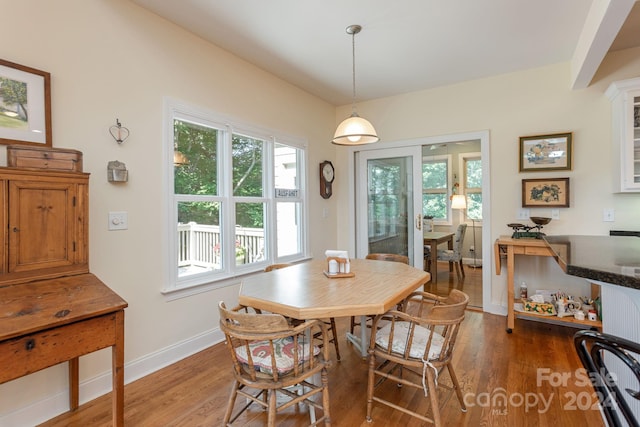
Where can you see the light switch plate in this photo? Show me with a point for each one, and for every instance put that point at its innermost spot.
(555, 213)
(118, 221)
(523, 213)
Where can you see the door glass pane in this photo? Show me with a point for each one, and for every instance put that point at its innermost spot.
(387, 205)
(249, 233)
(198, 237)
(435, 189)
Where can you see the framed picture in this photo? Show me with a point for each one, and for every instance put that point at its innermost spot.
(545, 152)
(25, 105)
(545, 192)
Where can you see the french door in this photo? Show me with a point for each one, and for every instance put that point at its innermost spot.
(389, 202)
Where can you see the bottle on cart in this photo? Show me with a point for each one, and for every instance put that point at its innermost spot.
(524, 293)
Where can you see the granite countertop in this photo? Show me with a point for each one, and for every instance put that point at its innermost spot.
(610, 259)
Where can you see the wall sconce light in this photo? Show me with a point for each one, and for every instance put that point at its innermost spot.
(119, 132)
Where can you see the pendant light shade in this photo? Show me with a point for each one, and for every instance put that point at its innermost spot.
(354, 130)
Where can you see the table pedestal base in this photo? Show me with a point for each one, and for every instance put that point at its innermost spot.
(358, 341)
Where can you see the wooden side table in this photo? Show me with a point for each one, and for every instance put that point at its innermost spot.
(47, 322)
(511, 247)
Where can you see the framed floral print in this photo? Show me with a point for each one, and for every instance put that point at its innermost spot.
(545, 152)
(25, 105)
(545, 192)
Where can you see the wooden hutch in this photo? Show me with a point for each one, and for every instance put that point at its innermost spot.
(53, 309)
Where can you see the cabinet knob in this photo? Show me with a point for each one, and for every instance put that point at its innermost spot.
(16, 229)
(30, 344)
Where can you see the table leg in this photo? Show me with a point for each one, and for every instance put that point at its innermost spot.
(434, 262)
(74, 383)
(510, 291)
(117, 360)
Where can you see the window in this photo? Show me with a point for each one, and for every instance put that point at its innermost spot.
(473, 184)
(435, 187)
(236, 201)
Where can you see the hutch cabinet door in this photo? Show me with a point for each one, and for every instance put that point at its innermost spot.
(41, 225)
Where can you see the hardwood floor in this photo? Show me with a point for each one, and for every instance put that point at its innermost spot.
(471, 284)
(507, 379)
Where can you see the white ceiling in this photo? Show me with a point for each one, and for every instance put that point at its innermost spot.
(407, 45)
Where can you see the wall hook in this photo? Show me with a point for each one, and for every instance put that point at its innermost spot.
(119, 132)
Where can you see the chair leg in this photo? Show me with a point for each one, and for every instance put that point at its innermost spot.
(324, 378)
(334, 333)
(456, 386)
(353, 324)
(433, 396)
(271, 415)
(370, 386)
(231, 403)
(462, 268)
(458, 275)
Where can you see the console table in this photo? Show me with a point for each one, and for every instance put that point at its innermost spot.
(510, 247)
(47, 322)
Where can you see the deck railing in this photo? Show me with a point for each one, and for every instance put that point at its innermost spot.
(199, 245)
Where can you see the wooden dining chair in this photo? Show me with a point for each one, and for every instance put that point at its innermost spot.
(379, 257)
(271, 358)
(331, 322)
(413, 348)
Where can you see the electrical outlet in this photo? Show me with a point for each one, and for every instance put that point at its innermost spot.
(118, 221)
(608, 215)
(555, 213)
(472, 248)
(523, 213)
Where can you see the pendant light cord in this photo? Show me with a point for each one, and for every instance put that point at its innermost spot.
(353, 57)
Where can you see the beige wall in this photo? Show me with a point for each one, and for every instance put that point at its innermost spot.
(111, 59)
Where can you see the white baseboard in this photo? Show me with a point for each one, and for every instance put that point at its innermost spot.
(42, 410)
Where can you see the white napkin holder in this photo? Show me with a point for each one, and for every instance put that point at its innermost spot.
(338, 264)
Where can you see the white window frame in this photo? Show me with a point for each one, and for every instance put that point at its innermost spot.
(462, 166)
(447, 191)
(175, 287)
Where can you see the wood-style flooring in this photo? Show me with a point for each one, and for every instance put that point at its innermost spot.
(471, 283)
(528, 378)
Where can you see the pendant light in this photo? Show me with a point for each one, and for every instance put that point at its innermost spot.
(354, 130)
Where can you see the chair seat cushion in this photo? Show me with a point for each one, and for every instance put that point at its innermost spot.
(420, 339)
(283, 348)
(447, 254)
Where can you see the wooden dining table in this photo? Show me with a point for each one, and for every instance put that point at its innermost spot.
(433, 239)
(303, 291)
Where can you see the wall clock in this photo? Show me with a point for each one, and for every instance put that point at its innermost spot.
(327, 175)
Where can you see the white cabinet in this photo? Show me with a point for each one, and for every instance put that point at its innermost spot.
(625, 99)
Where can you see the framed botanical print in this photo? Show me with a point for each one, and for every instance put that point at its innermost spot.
(545, 192)
(545, 152)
